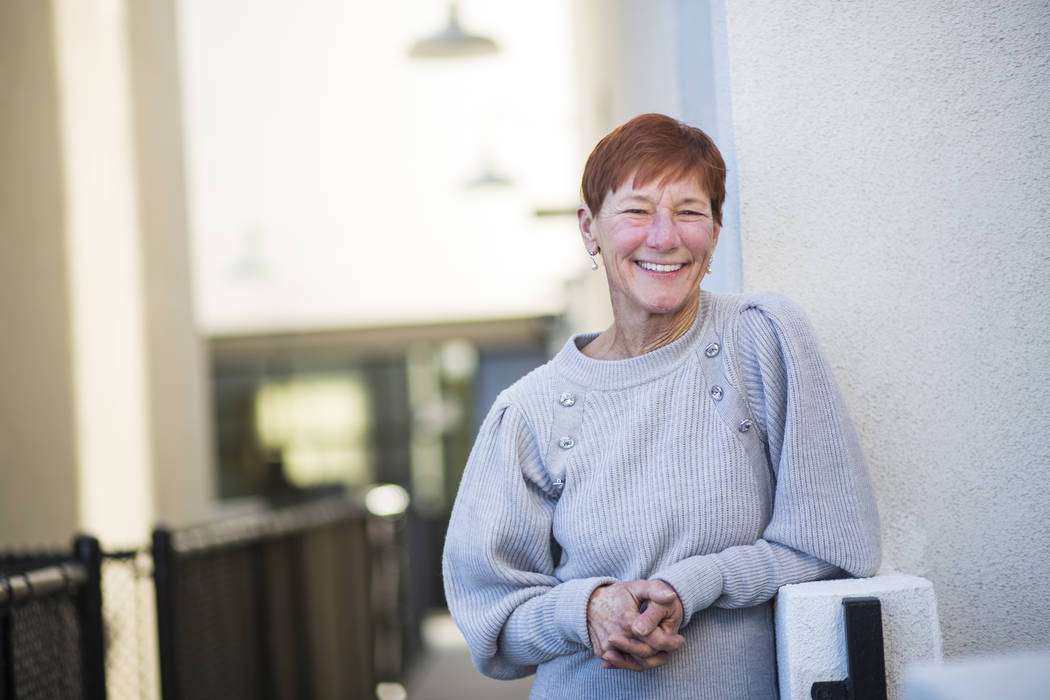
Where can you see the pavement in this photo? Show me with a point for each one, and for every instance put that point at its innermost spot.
(446, 672)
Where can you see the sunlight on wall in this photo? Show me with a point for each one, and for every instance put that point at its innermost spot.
(330, 175)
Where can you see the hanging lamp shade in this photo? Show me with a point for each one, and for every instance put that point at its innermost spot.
(489, 176)
(452, 41)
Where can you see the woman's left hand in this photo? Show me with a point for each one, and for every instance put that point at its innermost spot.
(624, 636)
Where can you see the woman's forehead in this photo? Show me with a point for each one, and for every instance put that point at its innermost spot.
(660, 185)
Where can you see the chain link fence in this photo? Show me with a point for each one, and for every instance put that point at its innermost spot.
(51, 639)
(305, 602)
(276, 605)
(129, 609)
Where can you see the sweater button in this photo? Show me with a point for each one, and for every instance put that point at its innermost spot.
(745, 425)
(567, 399)
(717, 393)
(566, 443)
(712, 349)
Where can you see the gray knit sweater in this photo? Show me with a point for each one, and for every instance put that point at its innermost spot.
(723, 463)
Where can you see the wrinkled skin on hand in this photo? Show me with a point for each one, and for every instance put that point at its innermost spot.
(623, 635)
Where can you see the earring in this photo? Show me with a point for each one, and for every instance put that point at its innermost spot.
(594, 263)
(709, 261)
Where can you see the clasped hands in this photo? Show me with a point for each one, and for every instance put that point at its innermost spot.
(634, 625)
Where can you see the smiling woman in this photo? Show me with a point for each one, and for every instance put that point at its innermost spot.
(656, 227)
(657, 241)
(641, 497)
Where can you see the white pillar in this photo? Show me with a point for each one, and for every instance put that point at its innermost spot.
(102, 392)
(105, 272)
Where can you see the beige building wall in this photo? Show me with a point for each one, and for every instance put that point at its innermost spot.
(102, 399)
(38, 484)
(179, 407)
(895, 180)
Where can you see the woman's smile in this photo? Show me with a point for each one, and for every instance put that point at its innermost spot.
(659, 267)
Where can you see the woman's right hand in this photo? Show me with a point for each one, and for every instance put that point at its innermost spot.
(624, 636)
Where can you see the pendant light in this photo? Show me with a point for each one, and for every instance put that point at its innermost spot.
(452, 41)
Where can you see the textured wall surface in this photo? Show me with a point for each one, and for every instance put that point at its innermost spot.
(811, 632)
(895, 180)
(1022, 676)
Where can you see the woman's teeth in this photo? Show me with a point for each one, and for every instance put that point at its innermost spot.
(659, 268)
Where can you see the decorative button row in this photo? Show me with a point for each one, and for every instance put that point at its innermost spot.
(567, 400)
(717, 392)
(745, 425)
(566, 443)
(712, 349)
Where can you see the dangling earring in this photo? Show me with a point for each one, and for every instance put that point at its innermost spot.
(709, 261)
(594, 263)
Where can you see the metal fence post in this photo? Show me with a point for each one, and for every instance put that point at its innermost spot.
(88, 601)
(7, 672)
(164, 585)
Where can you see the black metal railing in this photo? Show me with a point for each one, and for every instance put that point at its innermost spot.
(275, 605)
(307, 601)
(51, 629)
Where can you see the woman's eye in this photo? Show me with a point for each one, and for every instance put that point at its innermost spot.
(689, 212)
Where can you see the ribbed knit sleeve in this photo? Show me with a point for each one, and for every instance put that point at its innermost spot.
(824, 519)
(498, 567)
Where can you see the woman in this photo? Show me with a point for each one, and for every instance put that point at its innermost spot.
(641, 497)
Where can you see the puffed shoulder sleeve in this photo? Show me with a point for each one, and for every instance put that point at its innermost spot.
(824, 501)
(498, 566)
(824, 519)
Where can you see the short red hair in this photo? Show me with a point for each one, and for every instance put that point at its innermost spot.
(654, 146)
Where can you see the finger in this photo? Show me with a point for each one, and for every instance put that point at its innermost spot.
(630, 645)
(656, 590)
(636, 664)
(662, 640)
(661, 592)
(649, 619)
(617, 660)
(655, 660)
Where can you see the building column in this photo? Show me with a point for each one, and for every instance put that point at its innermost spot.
(103, 407)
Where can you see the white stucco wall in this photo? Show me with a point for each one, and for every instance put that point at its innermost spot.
(895, 180)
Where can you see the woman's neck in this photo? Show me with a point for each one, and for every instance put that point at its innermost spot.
(627, 338)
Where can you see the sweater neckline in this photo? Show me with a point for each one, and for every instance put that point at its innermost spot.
(618, 374)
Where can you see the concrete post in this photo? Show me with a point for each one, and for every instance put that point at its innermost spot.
(811, 638)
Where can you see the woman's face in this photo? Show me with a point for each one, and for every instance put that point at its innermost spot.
(656, 242)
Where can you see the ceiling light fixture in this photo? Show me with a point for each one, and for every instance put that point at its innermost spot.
(452, 41)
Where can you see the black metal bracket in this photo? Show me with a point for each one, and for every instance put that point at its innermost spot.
(865, 655)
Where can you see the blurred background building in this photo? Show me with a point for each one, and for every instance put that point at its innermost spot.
(255, 249)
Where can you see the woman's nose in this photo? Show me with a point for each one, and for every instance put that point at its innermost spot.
(662, 235)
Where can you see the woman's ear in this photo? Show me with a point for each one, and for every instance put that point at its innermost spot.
(586, 221)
